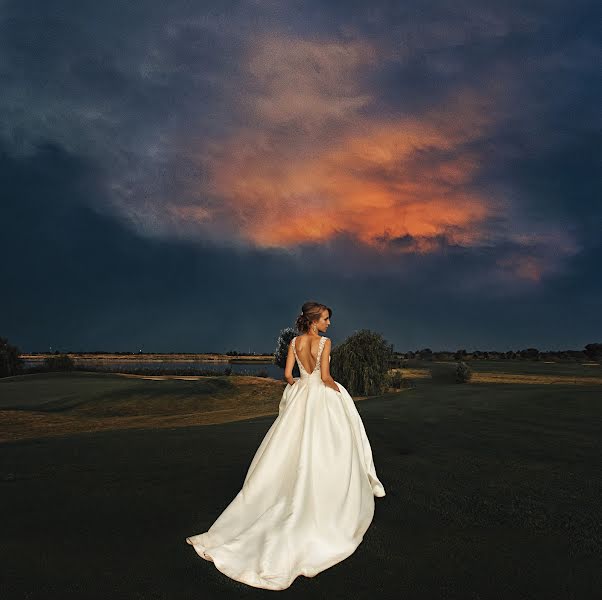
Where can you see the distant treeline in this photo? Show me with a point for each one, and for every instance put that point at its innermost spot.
(590, 352)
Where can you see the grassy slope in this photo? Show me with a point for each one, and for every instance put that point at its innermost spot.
(49, 404)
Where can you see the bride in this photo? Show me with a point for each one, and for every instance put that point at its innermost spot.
(308, 496)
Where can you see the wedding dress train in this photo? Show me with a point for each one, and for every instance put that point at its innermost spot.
(308, 496)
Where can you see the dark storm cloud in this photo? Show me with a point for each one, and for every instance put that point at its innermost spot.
(118, 84)
(106, 114)
(81, 280)
(78, 279)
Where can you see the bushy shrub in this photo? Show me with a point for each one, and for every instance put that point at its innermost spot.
(395, 379)
(10, 362)
(361, 363)
(463, 372)
(58, 362)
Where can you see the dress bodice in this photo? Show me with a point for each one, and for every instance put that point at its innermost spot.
(302, 370)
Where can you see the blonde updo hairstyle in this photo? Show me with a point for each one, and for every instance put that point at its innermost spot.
(310, 312)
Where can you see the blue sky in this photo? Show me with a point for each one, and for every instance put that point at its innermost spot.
(182, 176)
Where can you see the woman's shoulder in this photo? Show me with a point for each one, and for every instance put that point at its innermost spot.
(304, 335)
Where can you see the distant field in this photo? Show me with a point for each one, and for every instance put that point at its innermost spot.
(518, 371)
(50, 404)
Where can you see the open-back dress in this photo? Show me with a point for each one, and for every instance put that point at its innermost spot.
(308, 495)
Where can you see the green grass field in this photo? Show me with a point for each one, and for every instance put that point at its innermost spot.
(493, 489)
(50, 404)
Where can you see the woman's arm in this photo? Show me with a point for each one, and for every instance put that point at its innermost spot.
(290, 363)
(325, 367)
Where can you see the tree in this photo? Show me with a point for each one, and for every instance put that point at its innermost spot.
(530, 353)
(593, 351)
(282, 344)
(361, 363)
(425, 354)
(10, 362)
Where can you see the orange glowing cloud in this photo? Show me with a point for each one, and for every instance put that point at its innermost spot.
(373, 180)
(311, 165)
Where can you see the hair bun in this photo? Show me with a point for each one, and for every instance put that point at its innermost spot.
(310, 313)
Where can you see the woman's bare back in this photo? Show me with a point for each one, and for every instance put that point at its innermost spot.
(307, 347)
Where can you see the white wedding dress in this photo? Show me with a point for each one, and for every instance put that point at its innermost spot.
(308, 496)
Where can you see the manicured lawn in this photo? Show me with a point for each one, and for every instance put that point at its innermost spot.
(493, 491)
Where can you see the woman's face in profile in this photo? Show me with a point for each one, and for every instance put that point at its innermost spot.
(324, 321)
